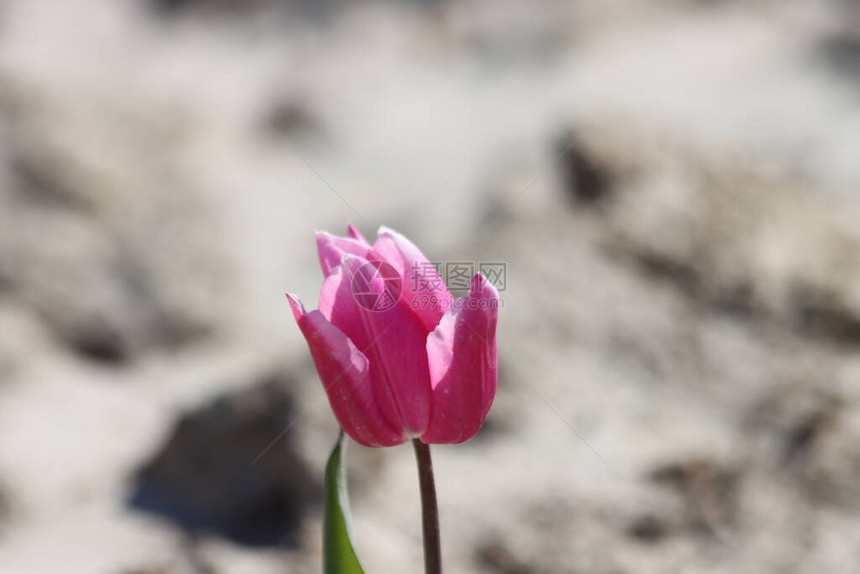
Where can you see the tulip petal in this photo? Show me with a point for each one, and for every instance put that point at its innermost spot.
(345, 374)
(393, 340)
(424, 290)
(331, 249)
(354, 233)
(463, 366)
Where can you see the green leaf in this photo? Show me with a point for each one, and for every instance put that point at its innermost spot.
(338, 551)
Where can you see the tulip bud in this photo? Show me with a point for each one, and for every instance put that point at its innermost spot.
(398, 358)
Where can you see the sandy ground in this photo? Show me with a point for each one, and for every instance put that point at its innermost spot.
(672, 186)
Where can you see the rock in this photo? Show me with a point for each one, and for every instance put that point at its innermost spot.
(292, 119)
(790, 421)
(231, 468)
(115, 259)
(587, 178)
(822, 312)
(708, 489)
(811, 435)
(314, 10)
(832, 469)
(228, 6)
(841, 52)
(723, 231)
(648, 529)
(496, 557)
(4, 508)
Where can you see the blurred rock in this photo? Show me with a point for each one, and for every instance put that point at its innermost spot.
(823, 312)
(4, 508)
(812, 433)
(314, 9)
(791, 419)
(115, 258)
(708, 489)
(832, 469)
(150, 570)
(231, 468)
(294, 120)
(495, 557)
(587, 179)
(551, 537)
(842, 53)
(726, 233)
(234, 6)
(648, 529)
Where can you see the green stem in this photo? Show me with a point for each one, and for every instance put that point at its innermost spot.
(429, 509)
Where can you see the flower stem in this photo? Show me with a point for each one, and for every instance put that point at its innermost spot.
(429, 509)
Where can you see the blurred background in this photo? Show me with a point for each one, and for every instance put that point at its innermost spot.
(672, 186)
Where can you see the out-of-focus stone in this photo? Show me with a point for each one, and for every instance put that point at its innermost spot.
(231, 468)
(494, 556)
(709, 491)
(587, 178)
(811, 436)
(115, 257)
(725, 231)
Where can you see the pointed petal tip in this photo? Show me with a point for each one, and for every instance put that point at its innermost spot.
(324, 240)
(477, 283)
(480, 285)
(296, 306)
(385, 230)
(352, 231)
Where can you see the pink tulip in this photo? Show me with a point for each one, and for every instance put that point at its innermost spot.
(398, 357)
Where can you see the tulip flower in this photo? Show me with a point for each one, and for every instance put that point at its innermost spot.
(398, 357)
